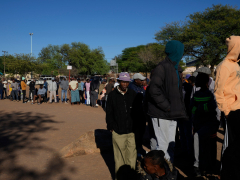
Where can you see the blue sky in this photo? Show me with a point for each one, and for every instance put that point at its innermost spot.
(110, 24)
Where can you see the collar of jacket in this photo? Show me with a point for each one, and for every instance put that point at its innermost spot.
(119, 91)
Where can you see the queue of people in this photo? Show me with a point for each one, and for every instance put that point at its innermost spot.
(195, 106)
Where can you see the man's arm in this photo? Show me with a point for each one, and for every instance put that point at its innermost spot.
(221, 79)
(110, 113)
(155, 92)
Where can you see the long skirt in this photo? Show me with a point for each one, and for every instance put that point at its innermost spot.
(75, 96)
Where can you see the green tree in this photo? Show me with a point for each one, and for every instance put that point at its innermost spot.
(204, 33)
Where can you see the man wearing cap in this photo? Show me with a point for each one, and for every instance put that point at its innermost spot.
(165, 98)
(119, 118)
(23, 86)
(140, 123)
(52, 88)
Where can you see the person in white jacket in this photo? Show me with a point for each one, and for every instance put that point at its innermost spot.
(52, 87)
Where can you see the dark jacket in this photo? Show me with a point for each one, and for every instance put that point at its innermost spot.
(119, 116)
(32, 86)
(165, 98)
(136, 88)
(203, 108)
(170, 173)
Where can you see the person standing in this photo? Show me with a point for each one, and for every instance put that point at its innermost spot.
(52, 88)
(57, 82)
(23, 86)
(31, 90)
(140, 124)
(5, 83)
(94, 87)
(227, 93)
(14, 87)
(109, 88)
(73, 85)
(81, 90)
(119, 121)
(64, 85)
(45, 86)
(87, 89)
(1, 90)
(165, 98)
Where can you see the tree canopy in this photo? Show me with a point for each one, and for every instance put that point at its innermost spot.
(204, 33)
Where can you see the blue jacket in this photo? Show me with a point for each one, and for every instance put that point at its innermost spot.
(137, 89)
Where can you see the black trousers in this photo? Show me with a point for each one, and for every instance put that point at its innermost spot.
(82, 100)
(231, 155)
(24, 95)
(5, 91)
(93, 98)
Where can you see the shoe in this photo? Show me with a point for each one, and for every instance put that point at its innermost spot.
(28, 100)
(24, 103)
(66, 102)
(96, 104)
(32, 103)
(197, 172)
(39, 103)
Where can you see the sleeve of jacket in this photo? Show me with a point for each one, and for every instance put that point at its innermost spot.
(155, 92)
(110, 112)
(221, 78)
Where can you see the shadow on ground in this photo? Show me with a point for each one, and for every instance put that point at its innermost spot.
(18, 134)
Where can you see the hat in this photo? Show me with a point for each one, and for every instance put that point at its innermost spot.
(124, 76)
(187, 76)
(52, 78)
(204, 70)
(139, 76)
(23, 78)
(195, 74)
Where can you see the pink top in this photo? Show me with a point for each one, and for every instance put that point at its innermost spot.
(87, 86)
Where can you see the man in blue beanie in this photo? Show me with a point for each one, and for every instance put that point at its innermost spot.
(165, 98)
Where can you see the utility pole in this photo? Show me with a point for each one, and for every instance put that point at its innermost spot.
(31, 48)
(4, 61)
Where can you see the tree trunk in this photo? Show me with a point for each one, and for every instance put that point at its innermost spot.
(212, 71)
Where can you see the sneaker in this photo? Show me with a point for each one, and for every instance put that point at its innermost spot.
(197, 172)
(24, 103)
(28, 100)
(38, 103)
(32, 103)
(96, 104)
(66, 102)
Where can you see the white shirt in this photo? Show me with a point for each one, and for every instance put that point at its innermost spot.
(73, 84)
(4, 84)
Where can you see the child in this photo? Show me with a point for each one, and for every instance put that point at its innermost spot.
(205, 125)
(156, 167)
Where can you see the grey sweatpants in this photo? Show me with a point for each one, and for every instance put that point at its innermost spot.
(165, 131)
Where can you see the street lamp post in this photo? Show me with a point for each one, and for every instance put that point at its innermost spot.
(31, 48)
(31, 42)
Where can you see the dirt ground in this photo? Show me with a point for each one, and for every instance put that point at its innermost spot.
(32, 135)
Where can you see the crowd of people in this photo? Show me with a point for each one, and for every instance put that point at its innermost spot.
(196, 105)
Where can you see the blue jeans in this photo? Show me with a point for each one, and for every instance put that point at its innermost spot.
(15, 93)
(64, 91)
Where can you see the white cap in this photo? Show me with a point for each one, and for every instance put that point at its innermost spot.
(139, 76)
(195, 74)
(204, 70)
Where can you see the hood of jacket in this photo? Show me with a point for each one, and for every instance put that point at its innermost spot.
(233, 43)
(174, 50)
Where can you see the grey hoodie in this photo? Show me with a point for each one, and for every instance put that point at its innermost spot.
(14, 86)
(64, 85)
